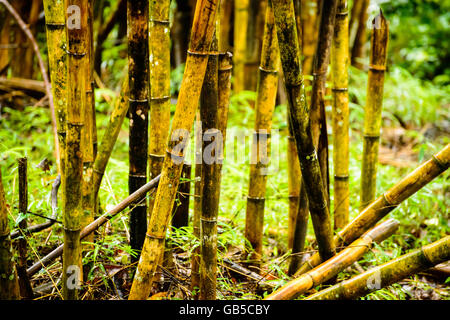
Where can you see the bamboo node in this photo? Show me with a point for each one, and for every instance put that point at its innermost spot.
(213, 221)
(54, 25)
(341, 177)
(256, 199)
(76, 55)
(155, 236)
(137, 100)
(72, 230)
(339, 89)
(268, 70)
(341, 14)
(160, 21)
(202, 53)
(162, 98)
(371, 136)
(387, 201)
(377, 67)
(439, 163)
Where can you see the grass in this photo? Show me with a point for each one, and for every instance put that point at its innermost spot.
(424, 217)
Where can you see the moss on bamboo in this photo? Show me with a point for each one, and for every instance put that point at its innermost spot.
(372, 116)
(339, 69)
(73, 211)
(9, 285)
(110, 137)
(389, 272)
(387, 202)
(138, 72)
(336, 264)
(159, 49)
(201, 36)
(300, 122)
(260, 152)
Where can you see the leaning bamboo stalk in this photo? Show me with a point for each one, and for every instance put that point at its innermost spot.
(72, 208)
(24, 282)
(387, 202)
(55, 21)
(300, 122)
(110, 137)
(320, 67)
(201, 36)
(240, 35)
(339, 69)
(260, 152)
(331, 268)
(97, 223)
(389, 272)
(180, 215)
(373, 109)
(159, 49)
(211, 143)
(138, 73)
(9, 285)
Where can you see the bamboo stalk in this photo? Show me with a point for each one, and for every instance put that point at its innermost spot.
(212, 143)
(196, 62)
(198, 188)
(357, 53)
(300, 122)
(73, 210)
(300, 230)
(389, 272)
(110, 137)
(24, 282)
(138, 73)
(89, 136)
(159, 46)
(354, 17)
(9, 285)
(254, 36)
(373, 109)
(241, 17)
(320, 66)
(331, 268)
(97, 223)
(339, 69)
(309, 15)
(260, 152)
(387, 202)
(226, 10)
(55, 20)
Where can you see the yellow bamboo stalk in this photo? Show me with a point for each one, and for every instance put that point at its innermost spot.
(159, 49)
(55, 21)
(260, 152)
(240, 43)
(300, 122)
(372, 116)
(88, 132)
(73, 210)
(330, 268)
(339, 69)
(9, 285)
(201, 36)
(389, 272)
(387, 202)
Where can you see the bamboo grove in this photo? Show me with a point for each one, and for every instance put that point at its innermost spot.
(274, 48)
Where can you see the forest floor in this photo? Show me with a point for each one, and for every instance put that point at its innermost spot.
(416, 124)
